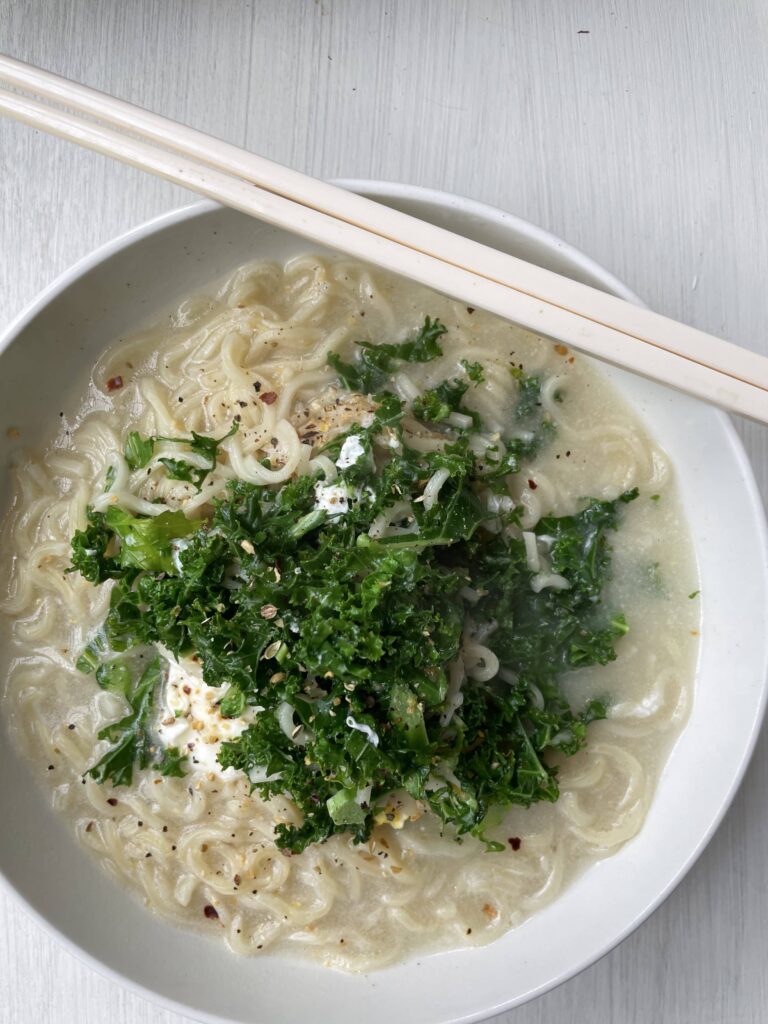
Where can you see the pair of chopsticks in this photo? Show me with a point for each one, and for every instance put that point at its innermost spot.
(587, 319)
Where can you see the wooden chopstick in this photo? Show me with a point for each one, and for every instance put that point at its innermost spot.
(548, 303)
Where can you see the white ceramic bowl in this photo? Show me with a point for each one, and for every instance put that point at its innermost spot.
(44, 363)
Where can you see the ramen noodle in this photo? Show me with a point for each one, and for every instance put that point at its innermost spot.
(200, 850)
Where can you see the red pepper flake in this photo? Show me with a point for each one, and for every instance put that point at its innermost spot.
(114, 383)
(268, 397)
(514, 842)
(210, 912)
(187, 689)
(112, 801)
(532, 484)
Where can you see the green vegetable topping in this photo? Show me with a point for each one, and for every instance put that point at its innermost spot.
(396, 643)
(131, 736)
(139, 450)
(440, 402)
(172, 763)
(474, 371)
(376, 362)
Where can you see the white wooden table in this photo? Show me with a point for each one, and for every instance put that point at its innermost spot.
(636, 130)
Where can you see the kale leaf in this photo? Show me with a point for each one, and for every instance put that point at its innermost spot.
(438, 403)
(172, 763)
(347, 629)
(147, 542)
(90, 547)
(139, 450)
(474, 371)
(376, 363)
(131, 737)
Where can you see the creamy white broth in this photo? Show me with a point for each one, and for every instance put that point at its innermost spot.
(185, 845)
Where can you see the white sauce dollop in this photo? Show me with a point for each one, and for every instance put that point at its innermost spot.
(351, 452)
(335, 498)
(332, 498)
(190, 719)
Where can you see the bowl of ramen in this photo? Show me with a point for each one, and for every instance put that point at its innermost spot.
(363, 653)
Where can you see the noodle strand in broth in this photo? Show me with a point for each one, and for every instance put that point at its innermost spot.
(200, 850)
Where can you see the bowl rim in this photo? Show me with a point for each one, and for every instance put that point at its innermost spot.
(380, 189)
(385, 190)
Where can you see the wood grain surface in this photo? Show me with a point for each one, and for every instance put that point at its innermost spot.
(638, 131)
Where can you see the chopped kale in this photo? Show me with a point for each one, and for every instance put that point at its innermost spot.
(423, 347)
(438, 403)
(579, 549)
(172, 763)
(474, 371)
(89, 550)
(179, 469)
(507, 458)
(375, 363)
(115, 675)
(92, 655)
(529, 398)
(147, 542)
(351, 626)
(132, 740)
(131, 737)
(139, 450)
